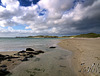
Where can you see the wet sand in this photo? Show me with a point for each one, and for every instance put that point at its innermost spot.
(10, 64)
(8, 52)
(86, 55)
(52, 63)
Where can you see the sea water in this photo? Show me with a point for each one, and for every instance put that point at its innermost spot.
(18, 44)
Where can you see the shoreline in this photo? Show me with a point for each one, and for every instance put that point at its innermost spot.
(59, 64)
(84, 56)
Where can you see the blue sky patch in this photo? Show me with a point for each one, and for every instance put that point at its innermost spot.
(35, 1)
(21, 27)
(28, 2)
(42, 12)
(25, 2)
(2, 4)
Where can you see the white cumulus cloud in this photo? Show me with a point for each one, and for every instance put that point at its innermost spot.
(59, 17)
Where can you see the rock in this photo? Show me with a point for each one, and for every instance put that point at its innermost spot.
(30, 56)
(25, 59)
(82, 63)
(40, 51)
(3, 66)
(7, 55)
(79, 71)
(15, 54)
(52, 47)
(22, 51)
(28, 53)
(2, 57)
(18, 54)
(36, 53)
(24, 54)
(12, 61)
(29, 49)
(4, 72)
(9, 59)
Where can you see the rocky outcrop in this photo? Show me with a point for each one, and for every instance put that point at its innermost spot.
(4, 72)
(20, 56)
(2, 57)
(29, 49)
(52, 47)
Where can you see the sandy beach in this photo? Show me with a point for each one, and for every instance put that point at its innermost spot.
(77, 57)
(86, 55)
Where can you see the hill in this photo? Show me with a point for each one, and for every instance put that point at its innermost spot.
(89, 35)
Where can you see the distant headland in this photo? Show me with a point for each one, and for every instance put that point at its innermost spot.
(88, 35)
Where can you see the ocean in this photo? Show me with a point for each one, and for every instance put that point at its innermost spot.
(18, 44)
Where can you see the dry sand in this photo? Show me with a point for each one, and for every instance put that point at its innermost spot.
(86, 55)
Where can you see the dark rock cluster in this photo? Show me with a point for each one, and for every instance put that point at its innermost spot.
(4, 72)
(21, 55)
(29, 53)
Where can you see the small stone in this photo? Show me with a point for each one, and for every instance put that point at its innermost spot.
(29, 49)
(40, 51)
(31, 56)
(9, 59)
(82, 63)
(25, 59)
(52, 47)
(79, 71)
(15, 54)
(12, 61)
(3, 66)
(22, 51)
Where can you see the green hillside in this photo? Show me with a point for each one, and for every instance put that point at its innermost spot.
(89, 35)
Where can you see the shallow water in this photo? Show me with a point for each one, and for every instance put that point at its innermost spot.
(17, 44)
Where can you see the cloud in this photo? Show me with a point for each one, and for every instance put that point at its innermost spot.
(51, 17)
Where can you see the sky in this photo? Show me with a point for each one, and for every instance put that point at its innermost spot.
(48, 17)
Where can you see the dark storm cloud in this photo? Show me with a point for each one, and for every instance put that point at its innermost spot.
(88, 2)
(91, 21)
(86, 24)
